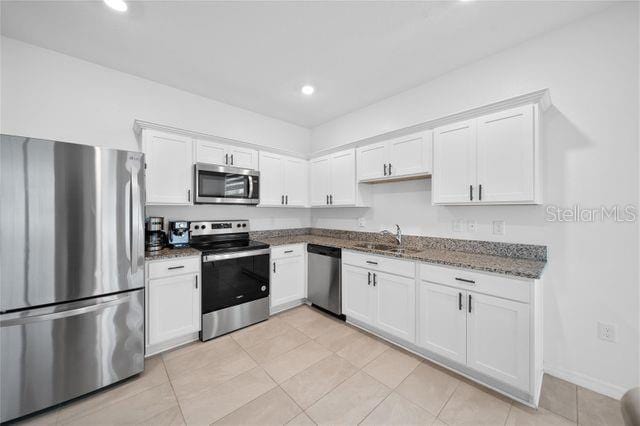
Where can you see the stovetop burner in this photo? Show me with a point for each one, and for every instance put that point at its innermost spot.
(222, 236)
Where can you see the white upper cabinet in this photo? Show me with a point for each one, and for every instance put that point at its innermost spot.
(169, 167)
(454, 167)
(372, 161)
(211, 152)
(283, 181)
(296, 182)
(506, 156)
(406, 156)
(493, 159)
(271, 179)
(333, 180)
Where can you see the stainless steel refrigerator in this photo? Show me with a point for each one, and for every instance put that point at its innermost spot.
(71, 271)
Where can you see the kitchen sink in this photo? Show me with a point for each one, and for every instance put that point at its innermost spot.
(386, 247)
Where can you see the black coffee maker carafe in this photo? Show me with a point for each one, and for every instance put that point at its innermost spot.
(154, 237)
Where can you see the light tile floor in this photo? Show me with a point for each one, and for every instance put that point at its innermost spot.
(302, 368)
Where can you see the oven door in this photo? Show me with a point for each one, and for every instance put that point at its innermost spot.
(226, 185)
(234, 278)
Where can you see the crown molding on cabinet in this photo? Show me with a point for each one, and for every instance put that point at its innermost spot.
(540, 97)
(139, 125)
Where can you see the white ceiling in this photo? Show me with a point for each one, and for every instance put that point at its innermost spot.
(256, 55)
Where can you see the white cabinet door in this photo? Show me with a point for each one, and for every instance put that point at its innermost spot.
(296, 181)
(372, 161)
(410, 155)
(319, 187)
(245, 158)
(506, 156)
(454, 163)
(498, 338)
(343, 178)
(442, 317)
(174, 307)
(211, 152)
(287, 280)
(395, 305)
(357, 294)
(271, 179)
(169, 168)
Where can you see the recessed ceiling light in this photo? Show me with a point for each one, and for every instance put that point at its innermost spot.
(307, 90)
(118, 5)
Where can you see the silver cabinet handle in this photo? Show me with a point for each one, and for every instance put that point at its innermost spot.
(385, 169)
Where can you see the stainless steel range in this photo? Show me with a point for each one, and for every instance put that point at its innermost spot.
(235, 276)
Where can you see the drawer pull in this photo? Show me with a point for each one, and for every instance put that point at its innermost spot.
(175, 267)
(288, 251)
(371, 262)
(464, 280)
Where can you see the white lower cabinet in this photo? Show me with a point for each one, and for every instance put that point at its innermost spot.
(173, 302)
(488, 326)
(383, 300)
(498, 338)
(288, 277)
(443, 321)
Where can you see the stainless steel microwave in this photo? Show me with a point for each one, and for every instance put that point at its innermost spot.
(226, 185)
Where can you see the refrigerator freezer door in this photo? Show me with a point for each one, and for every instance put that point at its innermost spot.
(53, 354)
(72, 222)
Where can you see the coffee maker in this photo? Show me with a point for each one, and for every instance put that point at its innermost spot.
(179, 233)
(154, 237)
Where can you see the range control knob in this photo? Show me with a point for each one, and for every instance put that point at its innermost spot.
(197, 226)
(244, 225)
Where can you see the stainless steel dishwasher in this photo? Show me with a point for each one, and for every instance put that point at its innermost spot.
(325, 278)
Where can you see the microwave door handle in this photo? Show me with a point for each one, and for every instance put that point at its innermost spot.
(250, 186)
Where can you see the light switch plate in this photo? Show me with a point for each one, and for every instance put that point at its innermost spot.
(362, 222)
(472, 226)
(499, 227)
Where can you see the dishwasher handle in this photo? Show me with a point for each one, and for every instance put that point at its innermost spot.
(324, 250)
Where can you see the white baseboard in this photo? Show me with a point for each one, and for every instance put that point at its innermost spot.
(588, 382)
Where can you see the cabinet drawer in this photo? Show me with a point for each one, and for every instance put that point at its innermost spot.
(380, 263)
(290, 250)
(505, 287)
(171, 267)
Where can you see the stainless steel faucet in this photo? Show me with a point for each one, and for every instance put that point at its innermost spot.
(398, 234)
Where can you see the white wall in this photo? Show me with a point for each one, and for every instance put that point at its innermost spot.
(590, 158)
(45, 94)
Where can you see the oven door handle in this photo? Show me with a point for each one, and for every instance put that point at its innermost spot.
(226, 256)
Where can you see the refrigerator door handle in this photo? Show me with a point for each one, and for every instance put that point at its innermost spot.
(22, 318)
(135, 220)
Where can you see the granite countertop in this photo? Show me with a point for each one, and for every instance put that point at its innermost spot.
(526, 268)
(171, 253)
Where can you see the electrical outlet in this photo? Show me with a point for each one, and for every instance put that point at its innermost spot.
(499, 227)
(607, 332)
(362, 222)
(472, 226)
(458, 225)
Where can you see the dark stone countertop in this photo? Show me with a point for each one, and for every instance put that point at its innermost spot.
(170, 253)
(518, 267)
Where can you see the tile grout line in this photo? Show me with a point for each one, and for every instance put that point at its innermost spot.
(383, 399)
(173, 390)
(448, 399)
